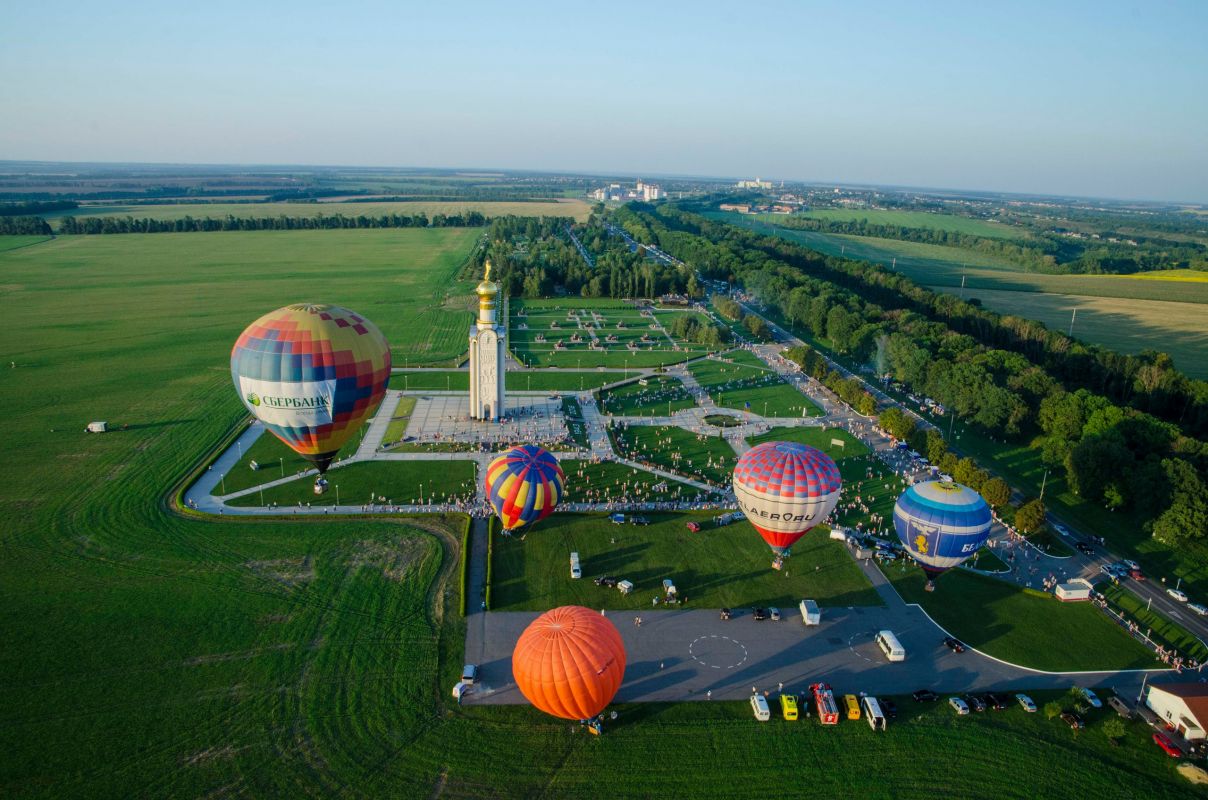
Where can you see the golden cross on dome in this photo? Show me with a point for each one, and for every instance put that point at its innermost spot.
(487, 276)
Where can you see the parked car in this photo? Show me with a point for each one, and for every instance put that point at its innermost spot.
(694, 527)
(958, 705)
(1061, 529)
(469, 674)
(1026, 703)
(925, 696)
(759, 706)
(1130, 564)
(605, 580)
(1177, 594)
(1136, 574)
(1167, 744)
(774, 613)
(1199, 609)
(1114, 571)
(975, 703)
(1120, 706)
(1085, 549)
(725, 613)
(1073, 720)
(998, 701)
(889, 707)
(639, 520)
(616, 519)
(760, 614)
(954, 644)
(1091, 697)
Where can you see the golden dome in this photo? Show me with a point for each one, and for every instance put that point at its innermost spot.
(487, 287)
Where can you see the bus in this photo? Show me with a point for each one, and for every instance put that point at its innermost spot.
(890, 646)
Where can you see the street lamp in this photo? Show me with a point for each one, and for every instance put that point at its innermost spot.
(281, 460)
(223, 479)
(337, 494)
(421, 494)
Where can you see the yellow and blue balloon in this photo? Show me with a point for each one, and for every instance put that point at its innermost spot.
(524, 485)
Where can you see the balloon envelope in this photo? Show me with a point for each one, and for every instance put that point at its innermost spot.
(941, 523)
(786, 488)
(523, 485)
(569, 662)
(312, 374)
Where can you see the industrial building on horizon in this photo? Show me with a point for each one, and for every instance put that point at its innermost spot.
(646, 192)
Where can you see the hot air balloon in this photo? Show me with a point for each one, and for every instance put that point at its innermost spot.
(523, 485)
(785, 488)
(312, 374)
(569, 662)
(941, 523)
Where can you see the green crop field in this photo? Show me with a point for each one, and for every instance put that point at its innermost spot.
(705, 458)
(561, 208)
(150, 653)
(1182, 275)
(608, 481)
(715, 568)
(914, 219)
(1123, 314)
(15, 242)
(1020, 625)
(389, 482)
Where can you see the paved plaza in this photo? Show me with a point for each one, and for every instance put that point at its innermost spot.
(445, 417)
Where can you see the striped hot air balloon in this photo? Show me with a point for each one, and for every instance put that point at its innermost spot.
(786, 488)
(312, 374)
(523, 485)
(941, 523)
(569, 662)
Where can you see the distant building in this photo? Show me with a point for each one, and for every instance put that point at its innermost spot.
(741, 208)
(1182, 705)
(758, 183)
(642, 190)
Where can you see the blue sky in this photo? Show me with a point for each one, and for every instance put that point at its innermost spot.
(1103, 99)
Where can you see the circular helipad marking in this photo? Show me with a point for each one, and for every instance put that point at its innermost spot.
(851, 644)
(718, 652)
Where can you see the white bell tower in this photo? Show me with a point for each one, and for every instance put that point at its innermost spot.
(488, 338)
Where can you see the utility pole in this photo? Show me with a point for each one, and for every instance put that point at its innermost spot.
(1042, 483)
(963, 286)
(1072, 316)
(951, 422)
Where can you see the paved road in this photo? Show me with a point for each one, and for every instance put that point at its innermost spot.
(685, 654)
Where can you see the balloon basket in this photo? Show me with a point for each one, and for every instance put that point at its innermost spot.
(929, 586)
(321, 486)
(778, 563)
(594, 727)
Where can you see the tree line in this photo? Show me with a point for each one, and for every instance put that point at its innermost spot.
(35, 208)
(971, 361)
(190, 224)
(24, 226)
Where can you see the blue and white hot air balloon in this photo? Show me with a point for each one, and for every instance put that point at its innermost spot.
(941, 523)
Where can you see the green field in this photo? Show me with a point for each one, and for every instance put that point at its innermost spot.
(155, 654)
(608, 481)
(705, 458)
(397, 428)
(15, 242)
(1021, 626)
(517, 380)
(1168, 632)
(563, 208)
(818, 438)
(390, 482)
(777, 400)
(661, 396)
(914, 219)
(715, 568)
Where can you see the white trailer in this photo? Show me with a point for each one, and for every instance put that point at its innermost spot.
(810, 613)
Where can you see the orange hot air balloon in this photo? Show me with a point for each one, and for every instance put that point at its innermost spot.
(569, 662)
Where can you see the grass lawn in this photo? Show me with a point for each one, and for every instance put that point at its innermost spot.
(1158, 627)
(1021, 626)
(659, 397)
(15, 242)
(735, 365)
(517, 380)
(275, 459)
(400, 482)
(705, 458)
(398, 423)
(717, 567)
(915, 219)
(776, 400)
(431, 381)
(608, 481)
(155, 654)
(819, 438)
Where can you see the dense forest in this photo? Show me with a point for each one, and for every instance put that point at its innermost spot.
(1124, 428)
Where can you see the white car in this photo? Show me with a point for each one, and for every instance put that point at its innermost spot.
(759, 705)
(1199, 609)
(1177, 594)
(1091, 697)
(1130, 564)
(774, 613)
(1026, 703)
(959, 706)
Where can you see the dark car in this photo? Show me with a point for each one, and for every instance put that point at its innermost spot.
(760, 614)
(998, 702)
(925, 696)
(889, 707)
(954, 644)
(725, 613)
(639, 521)
(1085, 549)
(975, 702)
(1073, 720)
(606, 580)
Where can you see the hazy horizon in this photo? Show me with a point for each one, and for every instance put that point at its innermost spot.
(1091, 100)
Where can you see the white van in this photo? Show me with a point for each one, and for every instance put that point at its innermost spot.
(575, 572)
(873, 713)
(890, 646)
(810, 613)
(759, 705)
